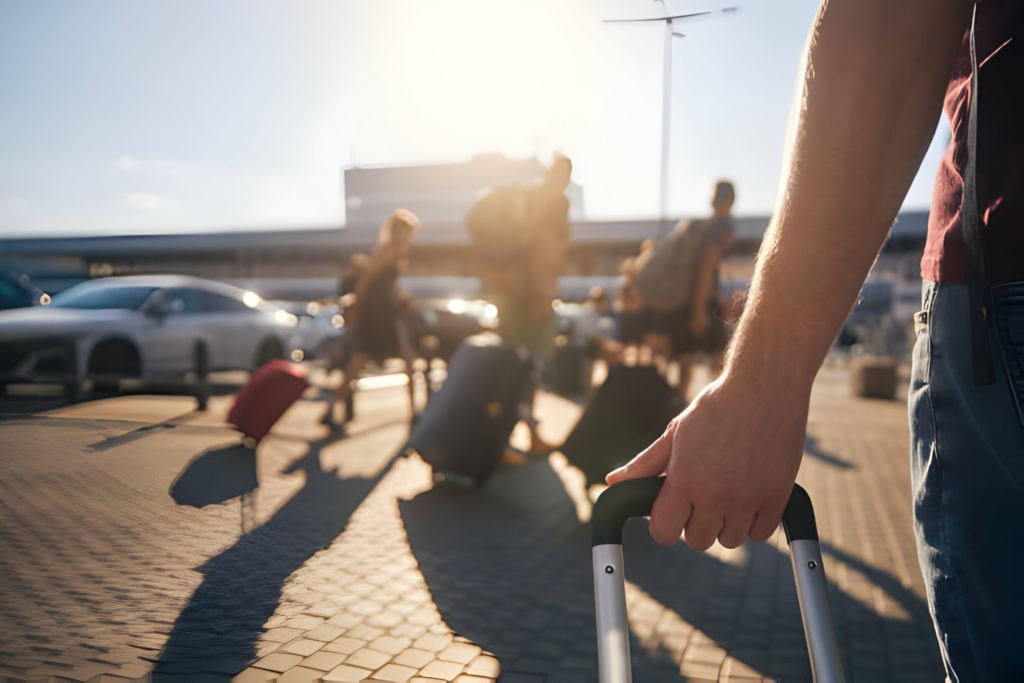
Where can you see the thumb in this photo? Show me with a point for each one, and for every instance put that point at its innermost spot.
(652, 462)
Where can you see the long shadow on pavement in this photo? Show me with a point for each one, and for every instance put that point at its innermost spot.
(509, 567)
(217, 631)
(812, 449)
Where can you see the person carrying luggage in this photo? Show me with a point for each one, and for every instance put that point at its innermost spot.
(678, 283)
(521, 236)
(875, 76)
(374, 318)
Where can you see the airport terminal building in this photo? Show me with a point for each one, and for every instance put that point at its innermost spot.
(306, 263)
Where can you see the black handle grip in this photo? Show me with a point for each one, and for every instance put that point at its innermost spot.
(635, 498)
(798, 519)
(619, 502)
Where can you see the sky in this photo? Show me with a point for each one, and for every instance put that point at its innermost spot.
(125, 117)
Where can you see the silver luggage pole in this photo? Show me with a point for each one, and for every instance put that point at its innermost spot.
(635, 498)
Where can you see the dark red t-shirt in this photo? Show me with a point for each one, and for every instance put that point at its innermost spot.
(999, 42)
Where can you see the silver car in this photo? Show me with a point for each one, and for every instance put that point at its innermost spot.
(130, 332)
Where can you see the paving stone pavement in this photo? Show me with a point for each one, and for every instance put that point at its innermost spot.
(341, 568)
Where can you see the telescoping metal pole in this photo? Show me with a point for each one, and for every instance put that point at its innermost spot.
(635, 498)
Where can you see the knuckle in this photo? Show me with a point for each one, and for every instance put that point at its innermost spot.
(719, 497)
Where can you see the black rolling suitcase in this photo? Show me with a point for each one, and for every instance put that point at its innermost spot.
(635, 498)
(464, 428)
(628, 413)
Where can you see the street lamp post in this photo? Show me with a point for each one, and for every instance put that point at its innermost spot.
(666, 93)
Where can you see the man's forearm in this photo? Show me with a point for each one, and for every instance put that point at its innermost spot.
(872, 82)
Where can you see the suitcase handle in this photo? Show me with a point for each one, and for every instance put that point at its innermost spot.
(635, 498)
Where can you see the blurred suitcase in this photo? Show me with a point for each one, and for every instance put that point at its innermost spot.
(262, 401)
(466, 425)
(630, 410)
(635, 498)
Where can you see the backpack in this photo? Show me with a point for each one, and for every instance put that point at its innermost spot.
(497, 225)
(666, 274)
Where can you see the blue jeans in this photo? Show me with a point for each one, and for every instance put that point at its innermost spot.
(967, 471)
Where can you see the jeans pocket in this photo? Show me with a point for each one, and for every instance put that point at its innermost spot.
(919, 400)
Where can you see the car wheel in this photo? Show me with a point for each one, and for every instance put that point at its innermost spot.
(270, 349)
(110, 362)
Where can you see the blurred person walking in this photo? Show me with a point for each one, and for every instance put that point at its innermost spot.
(522, 237)
(348, 283)
(700, 327)
(679, 280)
(373, 314)
(343, 348)
(875, 77)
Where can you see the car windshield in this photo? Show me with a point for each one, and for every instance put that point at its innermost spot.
(95, 298)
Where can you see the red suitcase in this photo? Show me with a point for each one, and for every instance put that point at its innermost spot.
(265, 397)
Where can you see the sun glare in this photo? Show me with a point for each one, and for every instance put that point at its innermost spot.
(458, 77)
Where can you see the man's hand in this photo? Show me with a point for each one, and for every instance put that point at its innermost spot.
(730, 460)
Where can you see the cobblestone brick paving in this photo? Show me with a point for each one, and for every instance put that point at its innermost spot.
(97, 562)
(347, 574)
(91, 568)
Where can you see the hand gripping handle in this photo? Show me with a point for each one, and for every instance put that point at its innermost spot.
(635, 498)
